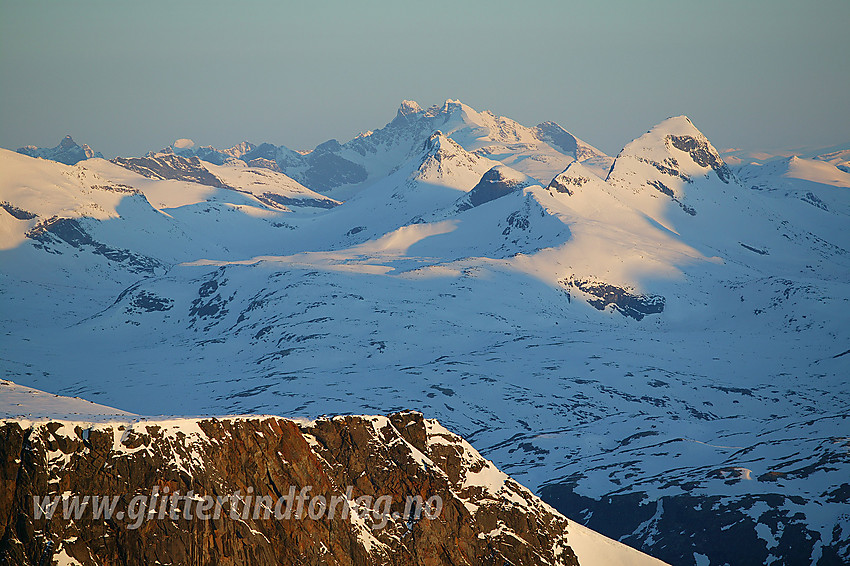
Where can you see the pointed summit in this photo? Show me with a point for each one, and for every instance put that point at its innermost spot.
(408, 107)
(407, 111)
(677, 125)
(443, 157)
(674, 147)
(67, 152)
(452, 104)
(435, 141)
(67, 143)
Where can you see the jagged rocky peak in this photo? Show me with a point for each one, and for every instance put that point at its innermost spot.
(89, 152)
(446, 110)
(67, 151)
(694, 143)
(453, 105)
(240, 149)
(445, 160)
(437, 149)
(408, 108)
(67, 143)
(436, 141)
(410, 112)
(440, 147)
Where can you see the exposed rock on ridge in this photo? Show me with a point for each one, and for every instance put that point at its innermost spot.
(487, 518)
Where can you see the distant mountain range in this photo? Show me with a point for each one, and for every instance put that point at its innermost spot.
(655, 343)
(67, 152)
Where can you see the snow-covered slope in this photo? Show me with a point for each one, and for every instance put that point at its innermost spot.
(25, 404)
(110, 226)
(674, 176)
(840, 158)
(267, 185)
(665, 346)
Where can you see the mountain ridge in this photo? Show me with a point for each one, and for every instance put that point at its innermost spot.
(67, 152)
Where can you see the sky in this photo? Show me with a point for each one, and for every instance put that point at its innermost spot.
(130, 77)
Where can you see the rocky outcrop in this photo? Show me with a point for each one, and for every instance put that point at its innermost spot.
(168, 165)
(246, 466)
(703, 154)
(628, 302)
(262, 163)
(496, 183)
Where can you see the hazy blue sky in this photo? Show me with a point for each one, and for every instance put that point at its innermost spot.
(127, 77)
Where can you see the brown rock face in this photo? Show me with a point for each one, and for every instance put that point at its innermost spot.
(217, 492)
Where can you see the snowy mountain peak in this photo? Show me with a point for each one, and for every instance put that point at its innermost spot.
(449, 109)
(674, 147)
(329, 146)
(241, 149)
(659, 135)
(446, 160)
(436, 141)
(677, 125)
(345, 168)
(453, 104)
(559, 138)
(220, 156)
(67, 143)
(408, 108)
(439, 146)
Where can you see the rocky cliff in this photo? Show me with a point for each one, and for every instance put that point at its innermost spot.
(415, 494)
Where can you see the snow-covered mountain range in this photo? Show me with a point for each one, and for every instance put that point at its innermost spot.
(340, 169)
(656, 343)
